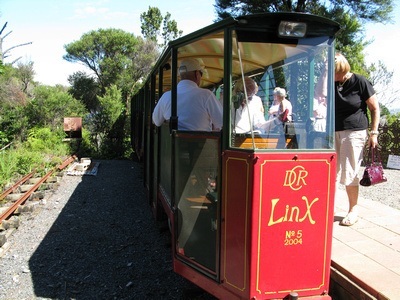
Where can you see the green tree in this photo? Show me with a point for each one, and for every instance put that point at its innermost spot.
(50, 105)
(142, 63)
(84, 88)
(116, 58)
(351, 14)
(151, 26)
(386, 90)
(25, 73)
(106, 52)
(151, 23)
(16, 83)
(374, 10)
(14, 124)
(170, 29)
(105, 126)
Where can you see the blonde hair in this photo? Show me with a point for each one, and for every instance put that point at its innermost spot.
(341, 64)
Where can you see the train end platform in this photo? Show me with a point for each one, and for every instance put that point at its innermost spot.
(366, 256)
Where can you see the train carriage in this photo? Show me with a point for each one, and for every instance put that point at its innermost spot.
(251, 213)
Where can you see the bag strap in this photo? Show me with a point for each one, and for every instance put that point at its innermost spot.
(372, 154)
(375, 155)
(369, 156)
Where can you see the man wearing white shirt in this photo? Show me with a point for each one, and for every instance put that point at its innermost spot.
(197, 108)
(247, 115)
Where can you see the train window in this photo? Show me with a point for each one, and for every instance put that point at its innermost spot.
(196, 175)
(163, 152)
(301, 117)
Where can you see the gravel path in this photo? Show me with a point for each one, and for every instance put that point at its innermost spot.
(94, 238)
(387, 193)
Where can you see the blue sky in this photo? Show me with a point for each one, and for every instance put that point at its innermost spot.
(51, 24)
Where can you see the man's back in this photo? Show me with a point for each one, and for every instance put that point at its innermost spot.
(198, 109)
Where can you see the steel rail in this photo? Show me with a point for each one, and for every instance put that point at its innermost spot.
(9, 211)
(26, 195)
(16, 185)
(67, 162)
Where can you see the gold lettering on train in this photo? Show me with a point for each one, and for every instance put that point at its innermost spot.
(292, 213)
(295, 178)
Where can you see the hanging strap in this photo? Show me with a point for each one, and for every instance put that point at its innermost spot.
(245, 96)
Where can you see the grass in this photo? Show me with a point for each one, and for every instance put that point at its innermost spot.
(43, 150)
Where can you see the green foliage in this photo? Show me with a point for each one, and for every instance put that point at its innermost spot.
(111, 107)
(151, 26)
(11, 91)
(8, 167)
(151, 23)
(47, 140)
(393, 118)
(86, 147)
(16, 163)
(107, 52)
(27, 161)
(131, 80)
(4, 140)
(14, 123)
(51, 105)
(25, 73)
(84, 88)
(1, 67)
(105, 123)
(351, 14)
(374, 10)
(118, 59)
(43, 149)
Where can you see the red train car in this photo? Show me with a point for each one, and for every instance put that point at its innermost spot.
(251, 212)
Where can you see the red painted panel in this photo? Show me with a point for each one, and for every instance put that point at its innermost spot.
(293, 199)
(237, 190)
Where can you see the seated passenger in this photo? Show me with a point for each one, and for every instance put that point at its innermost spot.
(247, 115)
(273, 110)
(284, 113)
(197, 108)
(320, 114)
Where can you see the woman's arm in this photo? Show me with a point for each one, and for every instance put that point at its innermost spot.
(373, 107)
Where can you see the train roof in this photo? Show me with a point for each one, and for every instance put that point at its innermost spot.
(208, 43)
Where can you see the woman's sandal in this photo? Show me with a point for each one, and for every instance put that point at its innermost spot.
(350, 219)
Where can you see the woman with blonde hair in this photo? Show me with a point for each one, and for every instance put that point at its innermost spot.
(354, 97)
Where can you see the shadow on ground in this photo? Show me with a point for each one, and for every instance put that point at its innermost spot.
(106, 245)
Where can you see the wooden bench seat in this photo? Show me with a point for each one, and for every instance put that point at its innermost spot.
(260, 142)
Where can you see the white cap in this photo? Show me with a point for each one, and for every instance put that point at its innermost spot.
(191, 64)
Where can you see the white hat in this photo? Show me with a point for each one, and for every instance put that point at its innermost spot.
(191, 64)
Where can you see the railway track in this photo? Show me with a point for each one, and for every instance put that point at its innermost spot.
(6, 212)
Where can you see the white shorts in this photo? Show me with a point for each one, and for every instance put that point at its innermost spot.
(349, 147)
